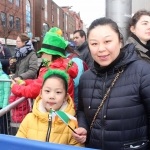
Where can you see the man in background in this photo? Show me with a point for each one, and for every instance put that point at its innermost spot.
(82, 49)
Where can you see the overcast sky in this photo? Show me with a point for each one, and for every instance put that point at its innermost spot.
(89, 10)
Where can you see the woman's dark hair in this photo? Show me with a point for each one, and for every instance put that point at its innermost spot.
(60, 77)
(54, 57)
(105, 21)
(24, 37)
(70, 50)
(137, 16)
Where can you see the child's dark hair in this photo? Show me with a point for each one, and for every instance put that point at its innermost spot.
(57, 74)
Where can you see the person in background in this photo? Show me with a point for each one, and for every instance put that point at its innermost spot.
(140, 34)
(26, 64)
(114, 95)
(53, 54)
(4, 95)
(72, 44)
(53, 96)
(82, 66)
(5, 55)
(82, 49)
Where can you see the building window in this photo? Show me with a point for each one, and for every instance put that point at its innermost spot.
(11, 1)
(58, 17)
(28, 16)
(3, 18)
(45, 1)
(45, 28)
(66, 23)
(11, 21)
(17, 23)
(18, 2)
(52, 18)
(52, 6)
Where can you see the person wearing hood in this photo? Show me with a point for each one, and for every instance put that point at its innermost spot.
(53, 55)
(140, 34)
(114, 95)
(45, 126)
(24, 65)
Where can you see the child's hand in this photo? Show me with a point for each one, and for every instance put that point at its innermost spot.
(12, 83)
(81, 135)
(17, 79)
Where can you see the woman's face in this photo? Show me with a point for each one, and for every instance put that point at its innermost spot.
(142, 29)
(19, 43)
(104, 45)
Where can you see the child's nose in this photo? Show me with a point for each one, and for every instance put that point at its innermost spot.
(52, 95)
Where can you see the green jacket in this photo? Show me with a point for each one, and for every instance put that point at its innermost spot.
(4, 90)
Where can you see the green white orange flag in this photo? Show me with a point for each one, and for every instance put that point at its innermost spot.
(65, 117)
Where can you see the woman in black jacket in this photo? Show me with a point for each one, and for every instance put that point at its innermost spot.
(114, 95)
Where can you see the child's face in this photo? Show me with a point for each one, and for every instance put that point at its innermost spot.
(53, 93)
(47, 56)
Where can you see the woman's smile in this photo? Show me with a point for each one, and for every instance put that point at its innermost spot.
(103, 57)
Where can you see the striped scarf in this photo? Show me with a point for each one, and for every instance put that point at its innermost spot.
(24, 51)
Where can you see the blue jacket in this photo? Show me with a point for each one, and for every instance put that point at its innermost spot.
(79, 63)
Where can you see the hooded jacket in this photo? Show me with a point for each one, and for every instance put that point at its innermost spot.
(123, 120)
(141, 51)
(37, 128)
(32, 88)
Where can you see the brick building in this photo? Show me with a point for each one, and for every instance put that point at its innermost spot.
(35, 17)
(16, 16)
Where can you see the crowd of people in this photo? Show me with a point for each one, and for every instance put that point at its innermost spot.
(101, 86)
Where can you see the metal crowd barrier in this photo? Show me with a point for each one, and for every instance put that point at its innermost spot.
(6, 115)
(10, 106)
(14, 143)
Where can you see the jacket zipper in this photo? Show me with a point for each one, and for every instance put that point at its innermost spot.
(49, 127)
(104, 90)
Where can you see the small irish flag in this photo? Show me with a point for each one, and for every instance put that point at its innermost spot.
(65, 117)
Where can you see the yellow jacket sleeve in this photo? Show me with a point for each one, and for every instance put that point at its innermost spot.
(22, 131)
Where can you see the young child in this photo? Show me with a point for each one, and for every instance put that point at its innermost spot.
(53, 49)
(53, 96)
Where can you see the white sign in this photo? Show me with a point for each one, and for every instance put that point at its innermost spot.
(9, 41)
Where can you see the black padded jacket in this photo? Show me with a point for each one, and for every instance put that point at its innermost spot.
(123, 121)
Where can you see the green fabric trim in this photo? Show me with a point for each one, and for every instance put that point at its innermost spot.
(61, 73)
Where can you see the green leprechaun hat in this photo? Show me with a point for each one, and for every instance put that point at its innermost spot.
(53, 43)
